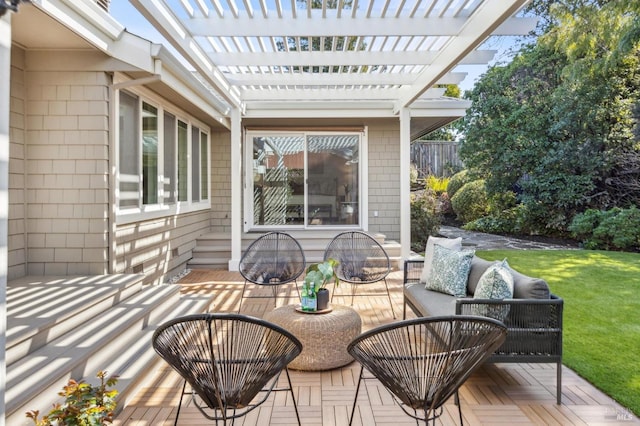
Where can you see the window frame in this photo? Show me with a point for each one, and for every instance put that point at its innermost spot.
(162, 208)
(248, 202)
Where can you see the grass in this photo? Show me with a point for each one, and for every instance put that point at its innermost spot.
(601, 292)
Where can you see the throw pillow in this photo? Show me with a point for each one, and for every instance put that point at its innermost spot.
(495, 283)
(450, 243)
(450, 271)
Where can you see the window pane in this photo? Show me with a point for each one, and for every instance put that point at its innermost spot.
(204, 155)
(128, 157)
(333, 179)
(195, 164)
(183, 162)
(149, 154)
(278, 180)
(169, 158)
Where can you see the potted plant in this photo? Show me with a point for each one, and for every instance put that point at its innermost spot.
(321, 274)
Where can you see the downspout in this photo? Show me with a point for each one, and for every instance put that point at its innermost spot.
(113, 153)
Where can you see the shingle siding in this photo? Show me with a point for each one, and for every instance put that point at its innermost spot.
(58, 171)
(384, 180)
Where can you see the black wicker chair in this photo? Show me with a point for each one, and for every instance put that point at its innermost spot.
(424, 361)
(228, 361)
(362, 260)
(273, 259)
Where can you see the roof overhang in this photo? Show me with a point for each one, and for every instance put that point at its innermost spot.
(76, 36)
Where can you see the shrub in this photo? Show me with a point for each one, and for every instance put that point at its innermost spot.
(583, 225)
(457, 181)
(84, 404)
(436, 184)
(425, 219)
(616, 228)
(470, 202)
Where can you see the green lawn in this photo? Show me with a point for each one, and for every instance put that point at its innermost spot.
(601, 292)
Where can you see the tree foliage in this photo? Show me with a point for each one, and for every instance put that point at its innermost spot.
(556, 125)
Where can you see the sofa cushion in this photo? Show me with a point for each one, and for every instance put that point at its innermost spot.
(478, 266)
(495, 283)
(450, 271)
(524, 287)
(451, 243)
(429, 303)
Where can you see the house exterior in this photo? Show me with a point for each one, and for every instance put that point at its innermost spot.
(118, 154)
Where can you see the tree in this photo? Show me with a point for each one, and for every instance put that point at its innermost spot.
(556, 123)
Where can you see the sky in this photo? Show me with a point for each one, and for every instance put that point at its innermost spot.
(127, 15)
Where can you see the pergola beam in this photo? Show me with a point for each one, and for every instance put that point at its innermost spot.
(331, 58)
(323, 94)
(316, 26)
(334, 79)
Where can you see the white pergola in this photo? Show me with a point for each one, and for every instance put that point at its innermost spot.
(334, 58)
(332, 54)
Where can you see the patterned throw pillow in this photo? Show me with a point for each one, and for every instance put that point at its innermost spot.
(450, 271)
(495, 283)
(450, 243)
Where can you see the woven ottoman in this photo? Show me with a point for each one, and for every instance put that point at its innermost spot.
(324, 337)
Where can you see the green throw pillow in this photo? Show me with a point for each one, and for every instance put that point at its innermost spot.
(450, 243)
(495, 283)
(450, 271)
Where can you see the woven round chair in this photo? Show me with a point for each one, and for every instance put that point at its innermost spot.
(228, 360)
(424, 361)
(274, 259)
(362, 260)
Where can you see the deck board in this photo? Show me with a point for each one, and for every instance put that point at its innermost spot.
(498, 394)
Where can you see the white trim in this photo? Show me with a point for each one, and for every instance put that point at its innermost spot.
(5, 112)
(154, 211)
(236, 189)
(363, 193)
(405, 179)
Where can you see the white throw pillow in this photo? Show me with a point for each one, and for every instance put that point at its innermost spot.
(450, 243)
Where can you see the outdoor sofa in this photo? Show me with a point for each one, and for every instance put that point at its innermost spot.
(533, 316)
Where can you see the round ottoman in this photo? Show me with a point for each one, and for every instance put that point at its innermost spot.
(324, 337)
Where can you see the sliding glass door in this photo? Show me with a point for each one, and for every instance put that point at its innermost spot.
(304, 180)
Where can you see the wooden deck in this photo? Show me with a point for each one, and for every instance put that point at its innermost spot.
(497, 394)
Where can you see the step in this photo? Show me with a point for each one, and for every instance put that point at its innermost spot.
(117, 340)
(213, 250)
(40, 309)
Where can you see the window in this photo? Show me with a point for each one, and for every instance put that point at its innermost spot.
(163, 160)
(304, 180)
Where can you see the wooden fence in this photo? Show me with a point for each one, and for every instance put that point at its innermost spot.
(438, 158)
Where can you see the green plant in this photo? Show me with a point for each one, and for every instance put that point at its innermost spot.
(470, 202)
(85, 405)
(322, 273)
(457, 181)
(425, 218)
(615, 228)
(436, 184)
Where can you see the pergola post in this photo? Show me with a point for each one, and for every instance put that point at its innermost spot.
(236, 189)
(405, 185)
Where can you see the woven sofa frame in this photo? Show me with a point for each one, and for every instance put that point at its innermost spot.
(534, 326)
